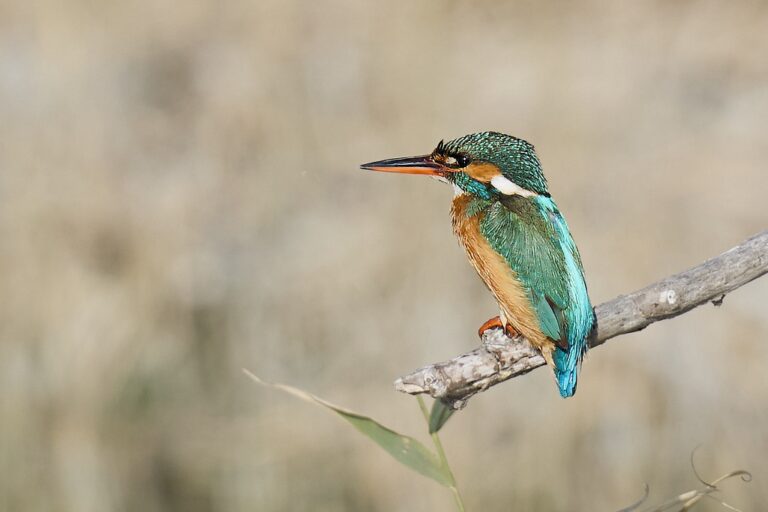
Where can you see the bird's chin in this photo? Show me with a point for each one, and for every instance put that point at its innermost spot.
(441, 179)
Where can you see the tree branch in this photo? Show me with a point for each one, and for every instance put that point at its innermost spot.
(500, 358)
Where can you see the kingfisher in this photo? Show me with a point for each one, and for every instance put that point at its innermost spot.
(517, 241)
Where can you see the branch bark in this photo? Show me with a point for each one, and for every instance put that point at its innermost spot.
(500, 358)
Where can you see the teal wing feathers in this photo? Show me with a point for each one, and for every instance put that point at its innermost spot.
(532, 236)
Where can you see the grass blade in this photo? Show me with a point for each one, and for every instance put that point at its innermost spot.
(406, 450)
(441, 412)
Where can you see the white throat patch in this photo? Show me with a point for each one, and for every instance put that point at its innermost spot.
(508, 188)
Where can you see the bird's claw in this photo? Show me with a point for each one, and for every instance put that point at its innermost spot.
(496, 323)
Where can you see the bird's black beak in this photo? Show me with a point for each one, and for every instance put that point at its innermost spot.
(409, 165)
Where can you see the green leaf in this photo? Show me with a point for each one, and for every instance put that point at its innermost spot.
(406, 450)
(441, 412)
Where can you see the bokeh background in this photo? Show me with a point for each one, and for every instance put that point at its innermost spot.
(180, 199)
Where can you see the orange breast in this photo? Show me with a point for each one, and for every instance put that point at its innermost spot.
(498, 276)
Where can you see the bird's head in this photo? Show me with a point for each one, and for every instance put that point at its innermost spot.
(486, 164)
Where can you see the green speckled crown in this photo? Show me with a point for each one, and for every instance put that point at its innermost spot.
(515, 157)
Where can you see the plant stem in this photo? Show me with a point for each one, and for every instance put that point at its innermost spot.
(443, 459)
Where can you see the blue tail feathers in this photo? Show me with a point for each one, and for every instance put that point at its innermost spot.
(567, 365)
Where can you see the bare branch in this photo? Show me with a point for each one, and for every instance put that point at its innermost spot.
(500, 358)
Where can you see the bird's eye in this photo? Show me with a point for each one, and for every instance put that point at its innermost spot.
(456, 161)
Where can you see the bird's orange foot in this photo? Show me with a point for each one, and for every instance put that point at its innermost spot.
(495, 323)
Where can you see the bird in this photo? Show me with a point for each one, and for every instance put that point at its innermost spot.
(518, 242)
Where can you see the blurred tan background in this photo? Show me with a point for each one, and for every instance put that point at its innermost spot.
(180, 198)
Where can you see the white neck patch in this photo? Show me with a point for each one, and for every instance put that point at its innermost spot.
(508, 188)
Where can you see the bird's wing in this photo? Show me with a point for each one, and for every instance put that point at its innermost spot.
(527, 238)
(533, 238)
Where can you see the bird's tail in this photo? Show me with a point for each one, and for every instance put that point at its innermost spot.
(567, 365)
